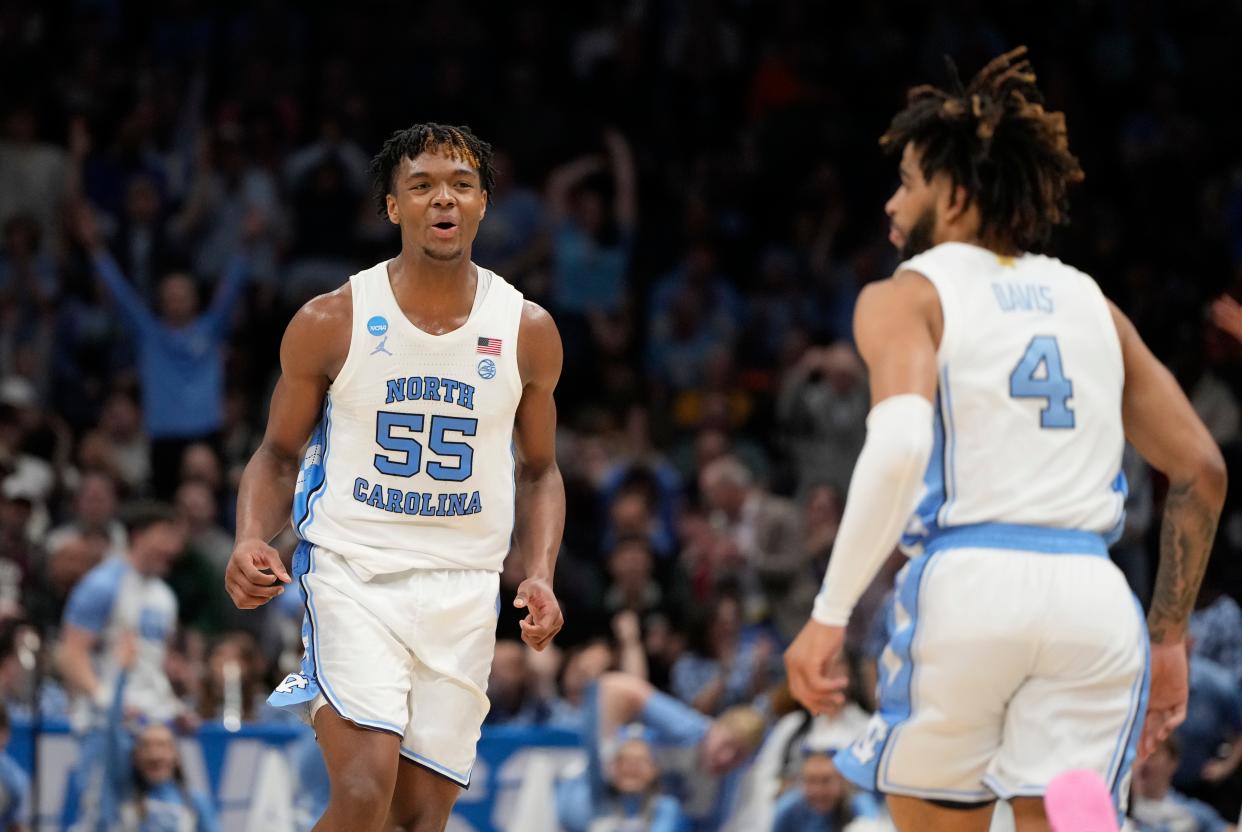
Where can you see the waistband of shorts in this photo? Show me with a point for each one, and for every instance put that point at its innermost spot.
(1040, 539)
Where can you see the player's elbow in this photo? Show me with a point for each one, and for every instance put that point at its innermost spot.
(1211, 475)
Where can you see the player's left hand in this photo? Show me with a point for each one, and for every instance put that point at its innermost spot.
(807, 663)
(543, 614)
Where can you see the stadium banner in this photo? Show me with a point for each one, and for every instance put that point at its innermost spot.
(250, 774)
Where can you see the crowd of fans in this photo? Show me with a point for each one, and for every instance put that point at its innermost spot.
(693, 189)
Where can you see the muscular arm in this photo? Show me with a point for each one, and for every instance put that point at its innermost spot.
(311, 353)
(1163, 427)
(897, 325)
(540, 497)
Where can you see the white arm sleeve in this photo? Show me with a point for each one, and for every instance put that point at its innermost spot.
(883, 493)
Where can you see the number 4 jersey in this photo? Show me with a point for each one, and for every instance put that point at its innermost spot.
(412, 465)
(1028, 413)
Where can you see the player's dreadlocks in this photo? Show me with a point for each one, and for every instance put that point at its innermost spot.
(994, 139)
(458, 142)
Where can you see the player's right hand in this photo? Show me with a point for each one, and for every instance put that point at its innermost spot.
(254, 574)
(808, 664)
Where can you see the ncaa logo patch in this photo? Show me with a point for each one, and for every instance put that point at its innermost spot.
(487, 368)
(377, 325)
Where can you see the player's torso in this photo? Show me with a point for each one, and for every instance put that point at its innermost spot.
(412, 464)
(1028, 416)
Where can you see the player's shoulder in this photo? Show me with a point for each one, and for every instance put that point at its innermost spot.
(316, 341)
(540, 352)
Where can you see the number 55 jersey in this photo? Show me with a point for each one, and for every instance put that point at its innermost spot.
(1028, 414)
(412, 466)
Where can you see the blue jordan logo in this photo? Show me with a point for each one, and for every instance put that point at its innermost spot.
(380, 347)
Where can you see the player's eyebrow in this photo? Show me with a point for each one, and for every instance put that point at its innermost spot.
(422, 174)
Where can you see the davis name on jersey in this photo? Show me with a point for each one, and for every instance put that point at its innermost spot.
(412, 464)
(1028, 424)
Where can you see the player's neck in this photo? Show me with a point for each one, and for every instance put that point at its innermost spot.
(957, 234)
(414, 275)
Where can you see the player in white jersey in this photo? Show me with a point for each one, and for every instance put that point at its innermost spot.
(424, 386)
(1004, 386)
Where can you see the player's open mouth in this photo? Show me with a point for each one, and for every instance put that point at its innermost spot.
(444, 229)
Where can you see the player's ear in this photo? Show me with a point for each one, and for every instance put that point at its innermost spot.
(394, 215)
(486, 199)
(954, 202)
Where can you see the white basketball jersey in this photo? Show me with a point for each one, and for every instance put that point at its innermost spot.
(1028, 414)
(412, 465)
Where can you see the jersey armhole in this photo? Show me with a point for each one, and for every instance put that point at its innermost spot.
(351, 360)
(944, 296)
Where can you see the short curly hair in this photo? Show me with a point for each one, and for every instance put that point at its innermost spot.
(995, 139)
(458, 142)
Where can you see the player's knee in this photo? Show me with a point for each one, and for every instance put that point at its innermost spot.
(422, 819)
(359, 794)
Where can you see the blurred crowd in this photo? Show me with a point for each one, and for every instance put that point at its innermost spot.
(692, 187)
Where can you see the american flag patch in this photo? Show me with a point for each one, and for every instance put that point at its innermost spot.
(489, 346)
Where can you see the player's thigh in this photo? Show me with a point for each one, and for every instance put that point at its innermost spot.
(912, 814)
(363, 669)
(1082, 707)
(1029, 815)
(453, 654)
(362, 762)
(957, 652)
(422, 800)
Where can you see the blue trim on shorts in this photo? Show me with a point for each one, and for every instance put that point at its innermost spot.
(1119, 766)
(1040, 539)
(460, 779)
(312, 667)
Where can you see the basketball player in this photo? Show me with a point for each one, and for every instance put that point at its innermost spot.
(425, 388)
(1004, 386)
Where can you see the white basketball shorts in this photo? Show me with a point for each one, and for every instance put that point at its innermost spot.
(408, 653)
(1015, 653)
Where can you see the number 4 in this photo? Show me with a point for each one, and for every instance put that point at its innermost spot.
(1052, 386)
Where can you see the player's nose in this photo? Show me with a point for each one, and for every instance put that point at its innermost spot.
(443, 196)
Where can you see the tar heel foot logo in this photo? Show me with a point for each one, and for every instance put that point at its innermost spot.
(291, 682)
(487, 368)
(378, 326)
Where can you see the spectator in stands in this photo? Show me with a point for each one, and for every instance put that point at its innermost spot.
(14, 784)
(625, 796)
(512, 690)
(822, 409)
(181, 353)
(726, 664)
(822, 801)
(75, 554)
(1213, 721)
(514, 239)
(125, 593)
(144, 787)
(121, 421)
(1158, 807)
(1216, 629)
(632, 583)
(762, 542)
(32, 172)
(95, 509)
(196, 504)
(141, 245)
(702, 760)
(583, 665)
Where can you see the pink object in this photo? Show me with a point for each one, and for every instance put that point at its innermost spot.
(1079, 801)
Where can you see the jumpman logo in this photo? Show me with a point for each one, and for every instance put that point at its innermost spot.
(380, 347)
